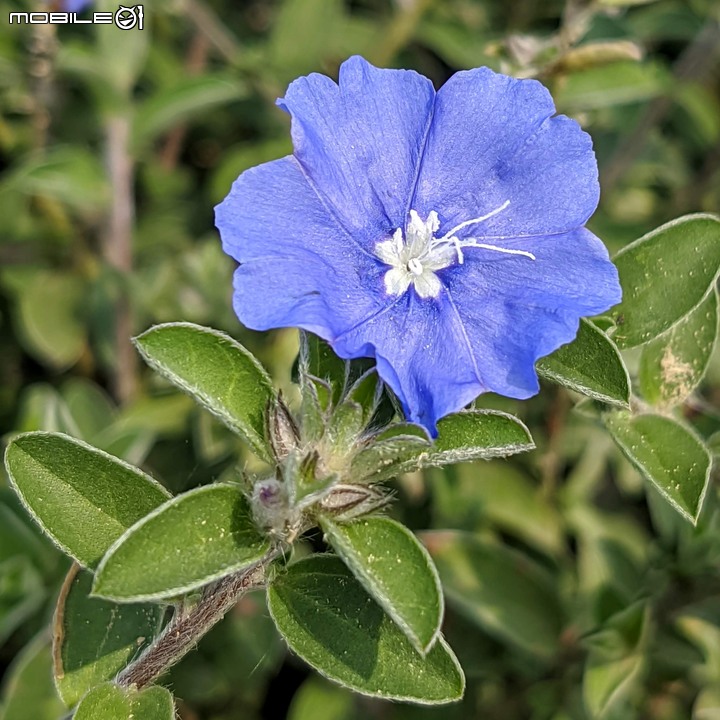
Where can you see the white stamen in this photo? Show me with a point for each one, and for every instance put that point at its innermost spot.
(471, 242)
(467, 223)
(416, 255)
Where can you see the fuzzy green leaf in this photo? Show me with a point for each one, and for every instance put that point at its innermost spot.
(110, 702)
(664, 276)
(191, 540)
(329, 620)
(669, 455)
(95, 639)
(673, 365)
(591, 365)
(396, 570)
(463, 436)
(83, 498)
(217, 371)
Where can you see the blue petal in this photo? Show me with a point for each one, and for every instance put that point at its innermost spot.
(360, 142)
(421, 353)
(516, 310)
(492, 140)
(298, 267)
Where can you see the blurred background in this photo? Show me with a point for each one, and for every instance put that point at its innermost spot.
(593, 599)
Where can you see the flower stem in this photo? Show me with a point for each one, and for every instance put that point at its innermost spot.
(185, 630)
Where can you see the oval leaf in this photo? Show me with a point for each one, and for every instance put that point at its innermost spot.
(83, 498)
(463, 436)
(501, 590)
(673, 365)
(217, 371)
(191, 540)
(396, 570)
(668, 455)
(329, 620)
(94, 639)
(110, 702)
(591, 365)
(664, 275)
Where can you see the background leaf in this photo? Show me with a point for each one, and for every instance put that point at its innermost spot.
(500, 589)
(185, 100)
(28, 691)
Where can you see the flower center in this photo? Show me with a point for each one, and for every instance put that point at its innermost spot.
(415, 257)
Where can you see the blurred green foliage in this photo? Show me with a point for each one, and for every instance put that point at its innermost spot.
(583, 594)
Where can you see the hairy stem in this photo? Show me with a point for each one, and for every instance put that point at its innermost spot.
(185, 630)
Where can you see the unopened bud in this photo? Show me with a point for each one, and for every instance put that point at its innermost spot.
(281, 430)
(348, 501)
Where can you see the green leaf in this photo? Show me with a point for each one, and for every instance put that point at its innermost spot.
(71, 175)
(389, 452)
(110, 702)
(22, 594)
(83, 498)
(476, 435)
(500, 589)
(188, 542)
(664, 276)
(217, 371)
(95, 639)
(673, 365)
(317, 699)
(316, 22)
(188, 98)
(329, 620)
(28, 691)
(616, 662)
(706, 706)
(396, 570)
(50, 318)
(615, 84)
(463, 436)
(669, 455)
(121, 53)
(591, 365)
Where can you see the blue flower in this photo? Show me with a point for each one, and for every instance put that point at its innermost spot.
(440, 233)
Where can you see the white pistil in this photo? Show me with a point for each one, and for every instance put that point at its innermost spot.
(415, 258)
